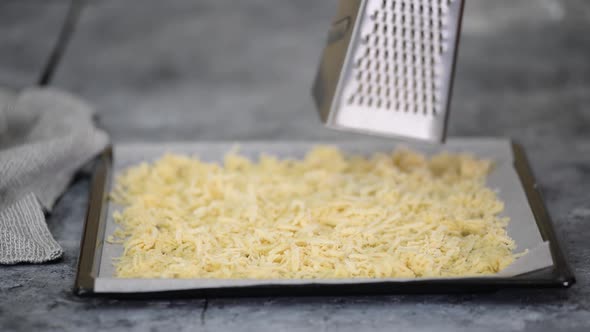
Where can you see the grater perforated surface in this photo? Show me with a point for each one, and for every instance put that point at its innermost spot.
(398, 74)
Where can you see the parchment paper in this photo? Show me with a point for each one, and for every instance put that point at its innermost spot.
(522, 227)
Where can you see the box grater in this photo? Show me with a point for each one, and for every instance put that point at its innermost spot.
(388, 67)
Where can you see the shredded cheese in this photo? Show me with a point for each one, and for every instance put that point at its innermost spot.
(326, 216)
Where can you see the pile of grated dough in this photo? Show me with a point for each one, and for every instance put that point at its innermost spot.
(327, 216)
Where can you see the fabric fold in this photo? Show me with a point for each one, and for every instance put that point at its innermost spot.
(46, 135)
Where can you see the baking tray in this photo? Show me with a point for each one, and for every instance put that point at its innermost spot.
(531, 227)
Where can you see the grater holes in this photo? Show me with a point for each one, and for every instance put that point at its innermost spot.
(402, 51)
(350, 99)
(358, 63)
(374, 15)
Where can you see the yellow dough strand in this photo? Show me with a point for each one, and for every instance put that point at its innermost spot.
(328, 215)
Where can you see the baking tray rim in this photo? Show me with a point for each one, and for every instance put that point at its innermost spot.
(557, 276)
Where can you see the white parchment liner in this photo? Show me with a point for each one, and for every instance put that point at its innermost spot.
(522, 227)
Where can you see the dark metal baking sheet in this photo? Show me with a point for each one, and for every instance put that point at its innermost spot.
(94, 279)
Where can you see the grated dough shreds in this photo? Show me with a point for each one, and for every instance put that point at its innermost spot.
(326, 216)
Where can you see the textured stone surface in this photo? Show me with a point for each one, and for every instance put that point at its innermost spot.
(204, 70)
(28, 32)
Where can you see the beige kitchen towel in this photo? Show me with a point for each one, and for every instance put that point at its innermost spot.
(46, 135)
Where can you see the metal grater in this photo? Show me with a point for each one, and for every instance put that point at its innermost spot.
(388, 67)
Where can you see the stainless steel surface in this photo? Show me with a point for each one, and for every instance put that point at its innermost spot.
(388, 67)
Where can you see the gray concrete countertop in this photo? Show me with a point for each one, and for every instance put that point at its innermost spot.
(28, 32)
(229, 70)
